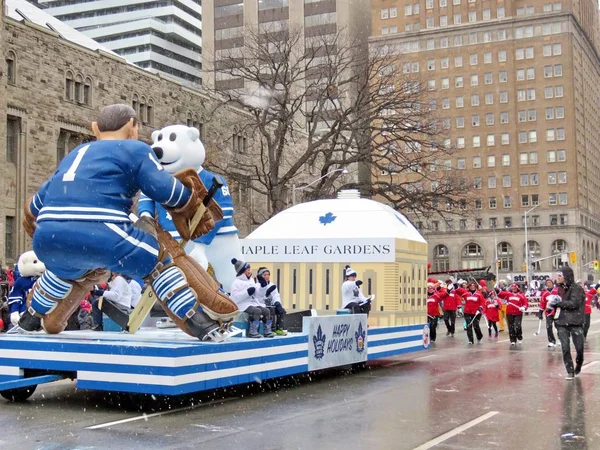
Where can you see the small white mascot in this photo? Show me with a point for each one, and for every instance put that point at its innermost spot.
(178, 147)
(30, 269)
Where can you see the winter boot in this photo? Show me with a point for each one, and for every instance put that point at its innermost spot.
(253, 329)
(267, 331)
(280, 332)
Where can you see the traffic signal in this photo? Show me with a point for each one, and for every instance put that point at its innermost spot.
(573, 257)
(498, 263)
(524, 267)
(596, 265)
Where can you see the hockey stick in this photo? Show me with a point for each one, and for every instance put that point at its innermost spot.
(539, 328)
(474, 317)
(134, 320)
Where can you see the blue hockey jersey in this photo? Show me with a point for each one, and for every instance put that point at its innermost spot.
(97, 182)
(17, 299)
(147, 207)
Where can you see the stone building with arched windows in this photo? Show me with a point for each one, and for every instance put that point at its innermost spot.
(53, 80)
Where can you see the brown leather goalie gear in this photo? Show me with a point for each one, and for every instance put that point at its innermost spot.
(209, 302)
(29, 221)
(182, 216)
(55, 321)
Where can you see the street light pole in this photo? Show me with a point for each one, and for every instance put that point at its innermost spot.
(331, 172)
(527, 243)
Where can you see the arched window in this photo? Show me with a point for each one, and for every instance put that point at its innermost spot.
(78, 88)
(472, 256)
(143, 111)
(558, 246)
(189, 120)
(135, 104)
(441, 258)
(535, 252)
(197, 123)
(150, 112)
(87, 91)
(505, 255)
(69, 85)
(11, 67)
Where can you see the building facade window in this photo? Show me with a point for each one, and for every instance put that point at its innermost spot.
(558, 247)
(13, 133)
(11, 67)
(505, 255)
(9, 237)
(69, 86)
(240, 143)
(472, 256)
(441, 258)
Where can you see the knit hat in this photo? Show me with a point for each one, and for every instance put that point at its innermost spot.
(430, 285)
(350, 272)
(515, 285)
(483, 283)
(240, 266)
(262, 271)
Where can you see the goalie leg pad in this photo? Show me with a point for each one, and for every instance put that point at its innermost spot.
(48, 290)
(55, 315)
(215, 304)
(171, 287)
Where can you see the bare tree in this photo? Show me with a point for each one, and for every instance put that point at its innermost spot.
(326, 102)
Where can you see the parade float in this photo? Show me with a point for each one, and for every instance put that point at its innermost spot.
(306, 248)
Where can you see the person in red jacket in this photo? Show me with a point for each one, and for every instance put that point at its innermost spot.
(483, 288)
(589, 297)
(474, 305)
(435, 295)
(492, 305)
(548, 288)
(451, 304)
(515, 307)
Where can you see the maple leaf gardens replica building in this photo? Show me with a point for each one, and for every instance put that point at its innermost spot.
(308, 246)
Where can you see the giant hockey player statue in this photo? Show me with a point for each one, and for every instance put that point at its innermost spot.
(79, 221)
(176, 147)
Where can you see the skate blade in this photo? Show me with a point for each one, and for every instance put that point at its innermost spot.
(21, 331)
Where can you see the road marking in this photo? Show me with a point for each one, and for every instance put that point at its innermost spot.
(163, 413)
(455, 431)
(588, 365)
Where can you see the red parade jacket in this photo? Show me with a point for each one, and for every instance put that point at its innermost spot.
(473, 300)
(544, 302)
(491, 309)
(514, 302)
(433, 302)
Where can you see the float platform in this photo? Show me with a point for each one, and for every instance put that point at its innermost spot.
(168, 362)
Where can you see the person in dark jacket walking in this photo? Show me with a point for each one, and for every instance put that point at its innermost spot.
(569, 302)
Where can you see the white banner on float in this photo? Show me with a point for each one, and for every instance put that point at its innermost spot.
(319, 250)
(336, 340)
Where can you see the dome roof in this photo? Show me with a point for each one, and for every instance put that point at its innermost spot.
(346, 217)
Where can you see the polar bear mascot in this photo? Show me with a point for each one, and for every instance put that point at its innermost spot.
(30, 269)
(178, 147)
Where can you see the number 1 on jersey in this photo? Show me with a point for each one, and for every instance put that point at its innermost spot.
(70, 174)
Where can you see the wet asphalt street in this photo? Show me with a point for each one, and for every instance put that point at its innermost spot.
(454, 396)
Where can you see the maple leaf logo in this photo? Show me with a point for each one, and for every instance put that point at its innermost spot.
(327, 218)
